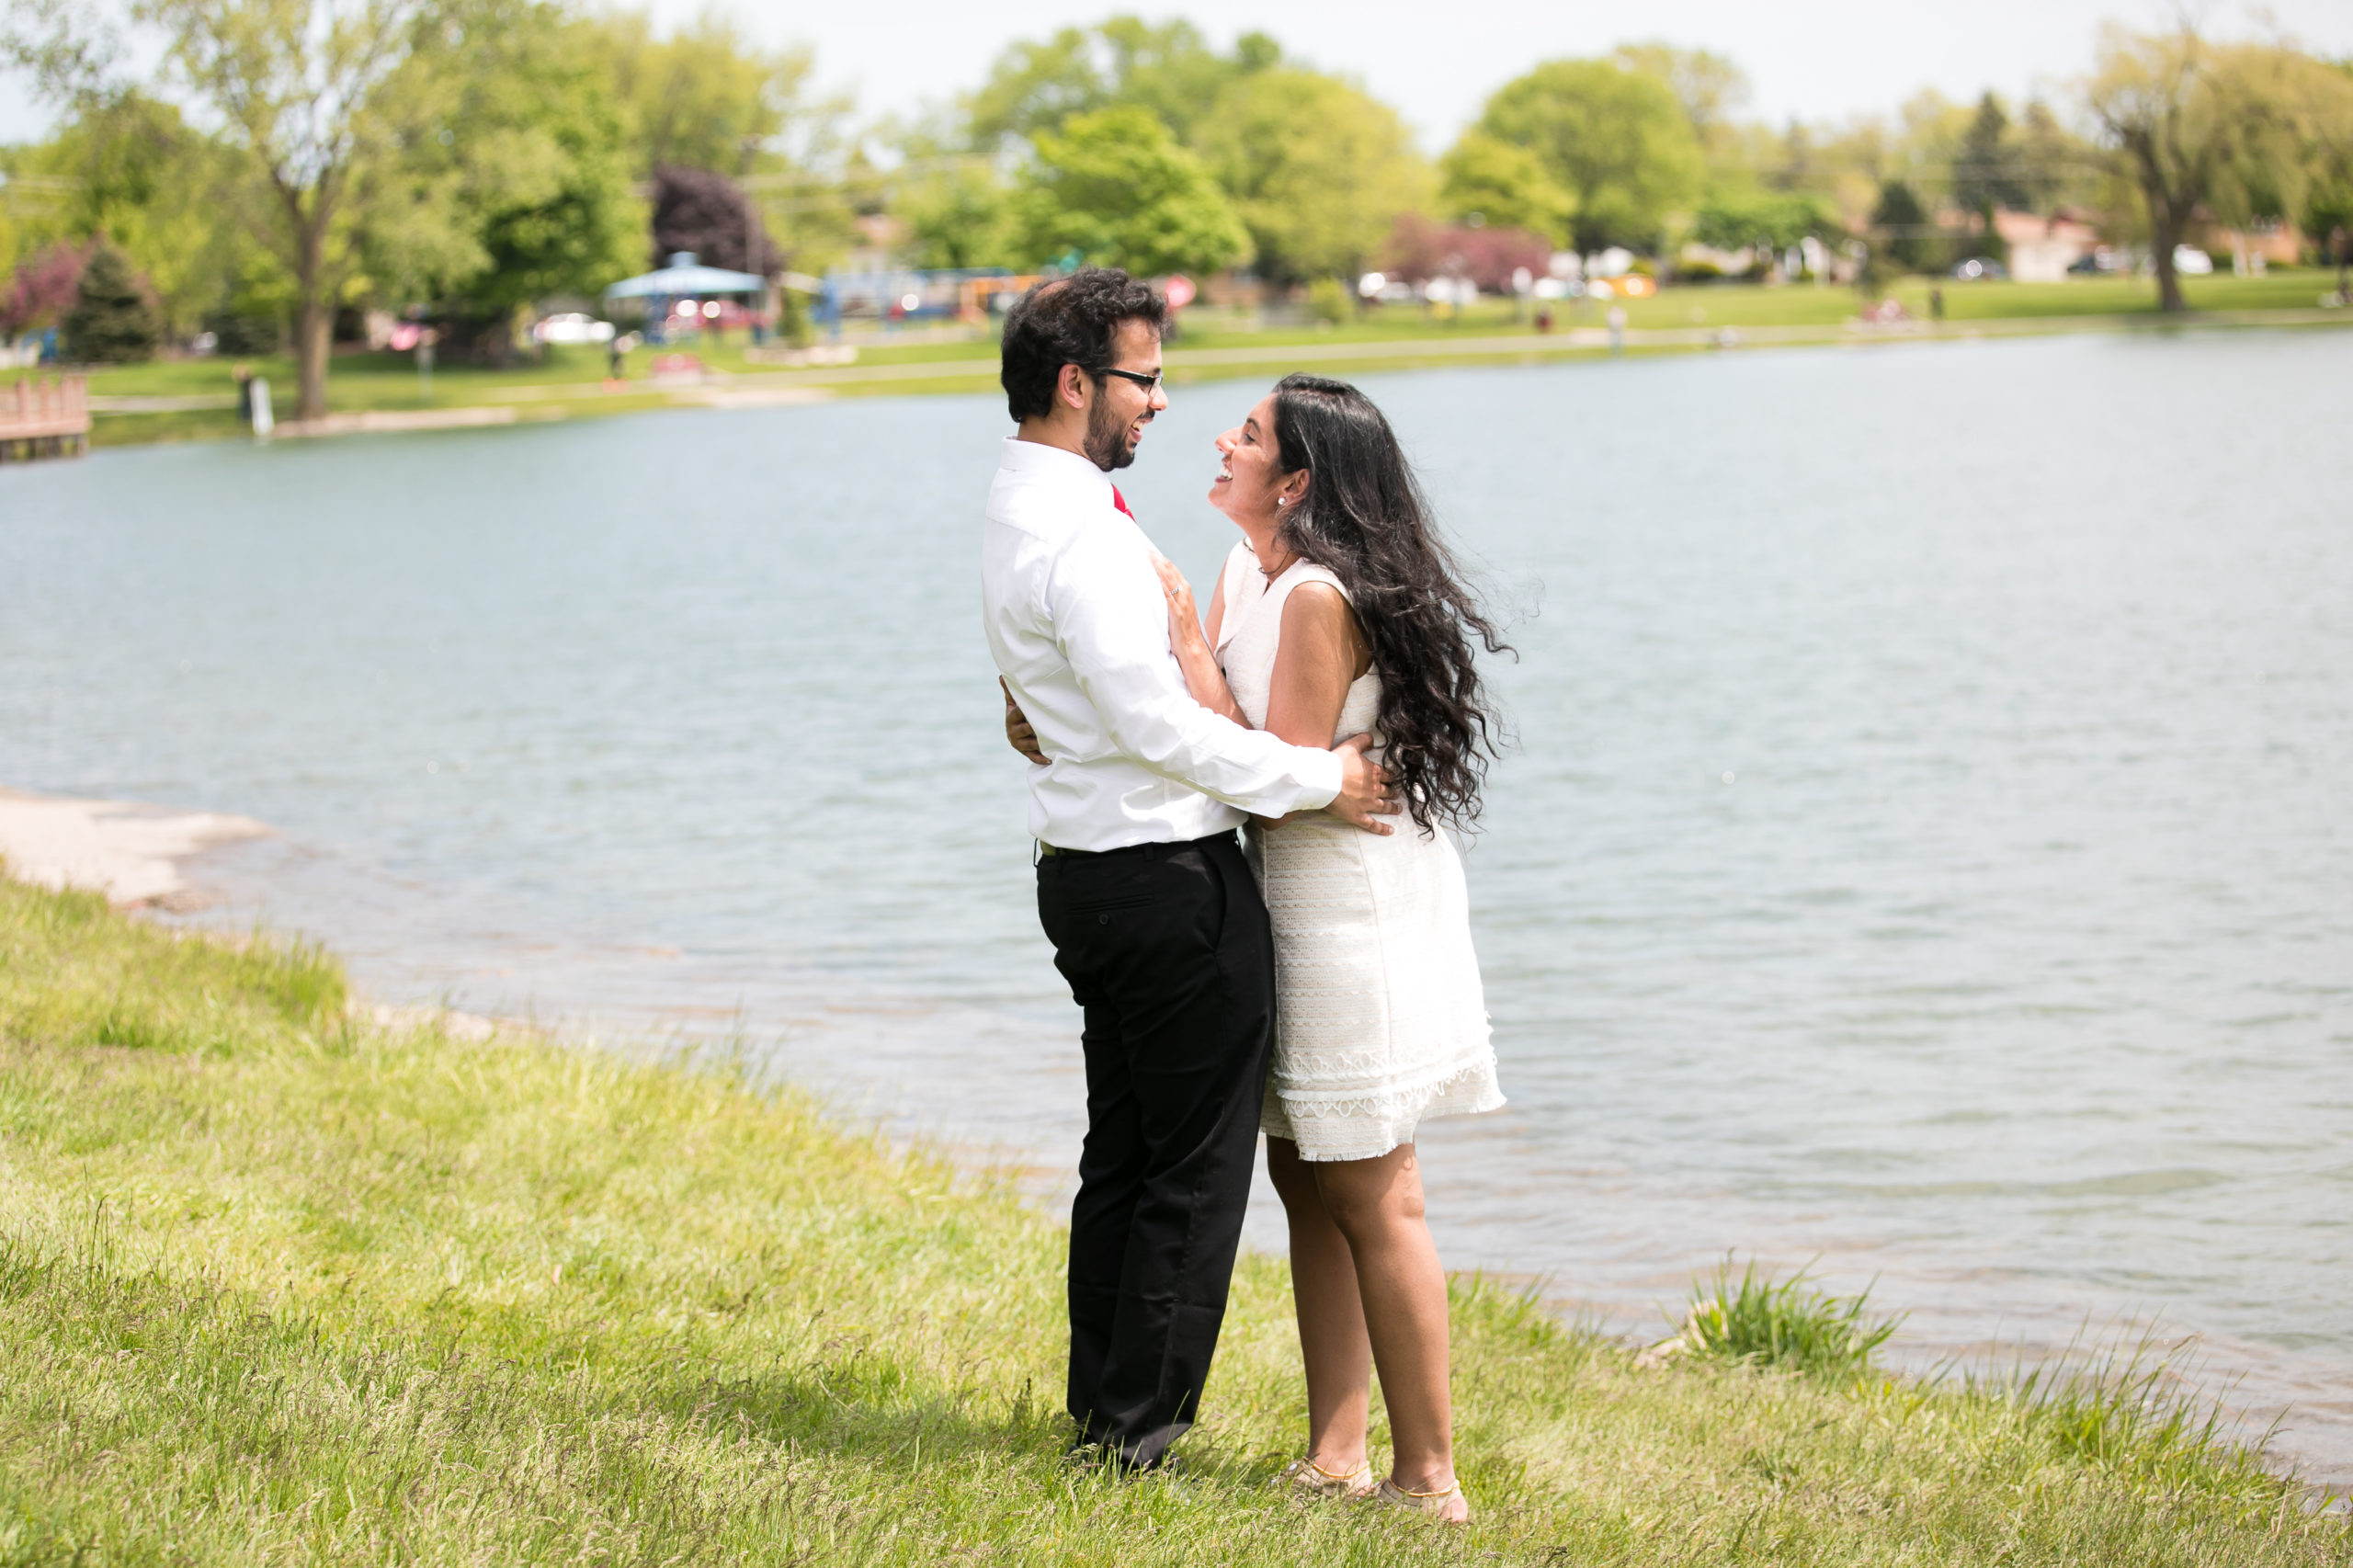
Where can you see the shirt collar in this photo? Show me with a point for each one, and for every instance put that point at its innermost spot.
(1053, 462)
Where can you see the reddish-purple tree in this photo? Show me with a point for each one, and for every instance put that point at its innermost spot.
(1419, 250)
(42, 290)
(698, 210)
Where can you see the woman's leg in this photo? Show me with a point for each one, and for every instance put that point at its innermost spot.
(1331, 1316)
(1377, 1204)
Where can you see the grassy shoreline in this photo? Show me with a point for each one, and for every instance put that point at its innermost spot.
(280, 1286)
(192, 400)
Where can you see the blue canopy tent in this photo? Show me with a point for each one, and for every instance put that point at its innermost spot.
(685, 278)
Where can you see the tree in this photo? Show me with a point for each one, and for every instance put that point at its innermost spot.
(1984, 175)
(1499, 183)
(1615, 140)
(2049, 163)
(696, 97)
(956, 214)
(1169, 70)
(129, 166)
(1317, 169)
(519, 187)
(1114, 187)
(112, 321)
(1900, 217)
(2226, 129)
(42, 289)
(1418, 250)
(295, 82)
(695, 210)
(1709, 85)
(1767, 220)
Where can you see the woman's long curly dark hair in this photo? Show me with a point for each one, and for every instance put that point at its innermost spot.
(1364, 517)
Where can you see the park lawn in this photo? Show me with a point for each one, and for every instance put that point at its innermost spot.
(566, 381)
(277, 1286)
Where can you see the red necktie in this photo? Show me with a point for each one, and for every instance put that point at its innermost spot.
(1121, 502)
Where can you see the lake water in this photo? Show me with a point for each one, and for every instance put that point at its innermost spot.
(1927, 848)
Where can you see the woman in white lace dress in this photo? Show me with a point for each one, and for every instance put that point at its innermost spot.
(1339, 613)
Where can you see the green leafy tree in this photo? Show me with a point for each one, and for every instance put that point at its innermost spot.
(1984, 173)
(1114, 187)
(520, 186)
(1769, 220)
(700, 97)
(1169, 70)
(1710, 86)
(294, 84)
(2205, 128)
(1318, 169)
(705, 97)
(1615, 140)
(129, 166)
(958, 214)
(1904, 225)
(2051, 165)
(111, 322)
(1495, 181)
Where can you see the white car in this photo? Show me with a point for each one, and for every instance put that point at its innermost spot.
(2191, 262)
(572, 327)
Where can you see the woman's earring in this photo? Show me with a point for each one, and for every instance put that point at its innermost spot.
(1282, 500)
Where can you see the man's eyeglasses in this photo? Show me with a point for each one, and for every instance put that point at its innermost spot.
(1150, 383)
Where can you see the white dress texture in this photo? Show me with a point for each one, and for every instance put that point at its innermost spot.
(1381, 1022)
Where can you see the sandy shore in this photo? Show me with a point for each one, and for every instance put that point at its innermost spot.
(130, 853)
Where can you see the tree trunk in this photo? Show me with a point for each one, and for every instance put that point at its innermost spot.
(2168, 217)
(314, 317)
(313, 327)
(2164, 234)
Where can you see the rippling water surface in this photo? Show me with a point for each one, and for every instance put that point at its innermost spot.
(1927, 848)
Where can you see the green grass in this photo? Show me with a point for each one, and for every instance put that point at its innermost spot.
(276, 1287)
(389, 381)
(1758, 1321)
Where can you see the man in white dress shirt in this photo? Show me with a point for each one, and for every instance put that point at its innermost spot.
(1155, 920)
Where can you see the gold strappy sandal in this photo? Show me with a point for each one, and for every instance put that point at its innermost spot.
(1433, 1504)
(1307, 1479)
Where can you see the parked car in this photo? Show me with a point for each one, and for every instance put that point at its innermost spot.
(2191, 262)
(573, 326)
(1978, 269)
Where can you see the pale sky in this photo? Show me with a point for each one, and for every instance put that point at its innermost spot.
(1811, 59)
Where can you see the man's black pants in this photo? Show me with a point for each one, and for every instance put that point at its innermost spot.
(1167, 948)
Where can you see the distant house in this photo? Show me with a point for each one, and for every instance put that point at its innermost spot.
(2042, 249)
(2267, 243)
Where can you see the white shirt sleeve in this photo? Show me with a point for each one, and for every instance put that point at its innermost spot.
(1112, 624)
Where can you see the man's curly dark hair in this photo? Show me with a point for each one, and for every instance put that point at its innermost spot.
(1069, 321)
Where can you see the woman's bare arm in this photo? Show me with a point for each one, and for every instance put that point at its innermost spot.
(1322, 651)
(1196, 655)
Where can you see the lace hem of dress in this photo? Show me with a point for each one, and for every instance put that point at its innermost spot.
(1319, 1076)
(1365, 1127)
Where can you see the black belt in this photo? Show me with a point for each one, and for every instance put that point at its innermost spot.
(1147, 849)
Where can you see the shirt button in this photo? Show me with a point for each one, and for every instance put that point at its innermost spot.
(1102, 920)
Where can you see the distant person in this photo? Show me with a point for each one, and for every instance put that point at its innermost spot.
(1338, 612)
(1155, 919)
(242, 375)
(617, 349)
(1935, 303)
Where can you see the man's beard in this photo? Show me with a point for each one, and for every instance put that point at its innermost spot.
(1106, 439)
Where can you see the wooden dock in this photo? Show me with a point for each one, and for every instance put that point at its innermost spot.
(46, 416)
